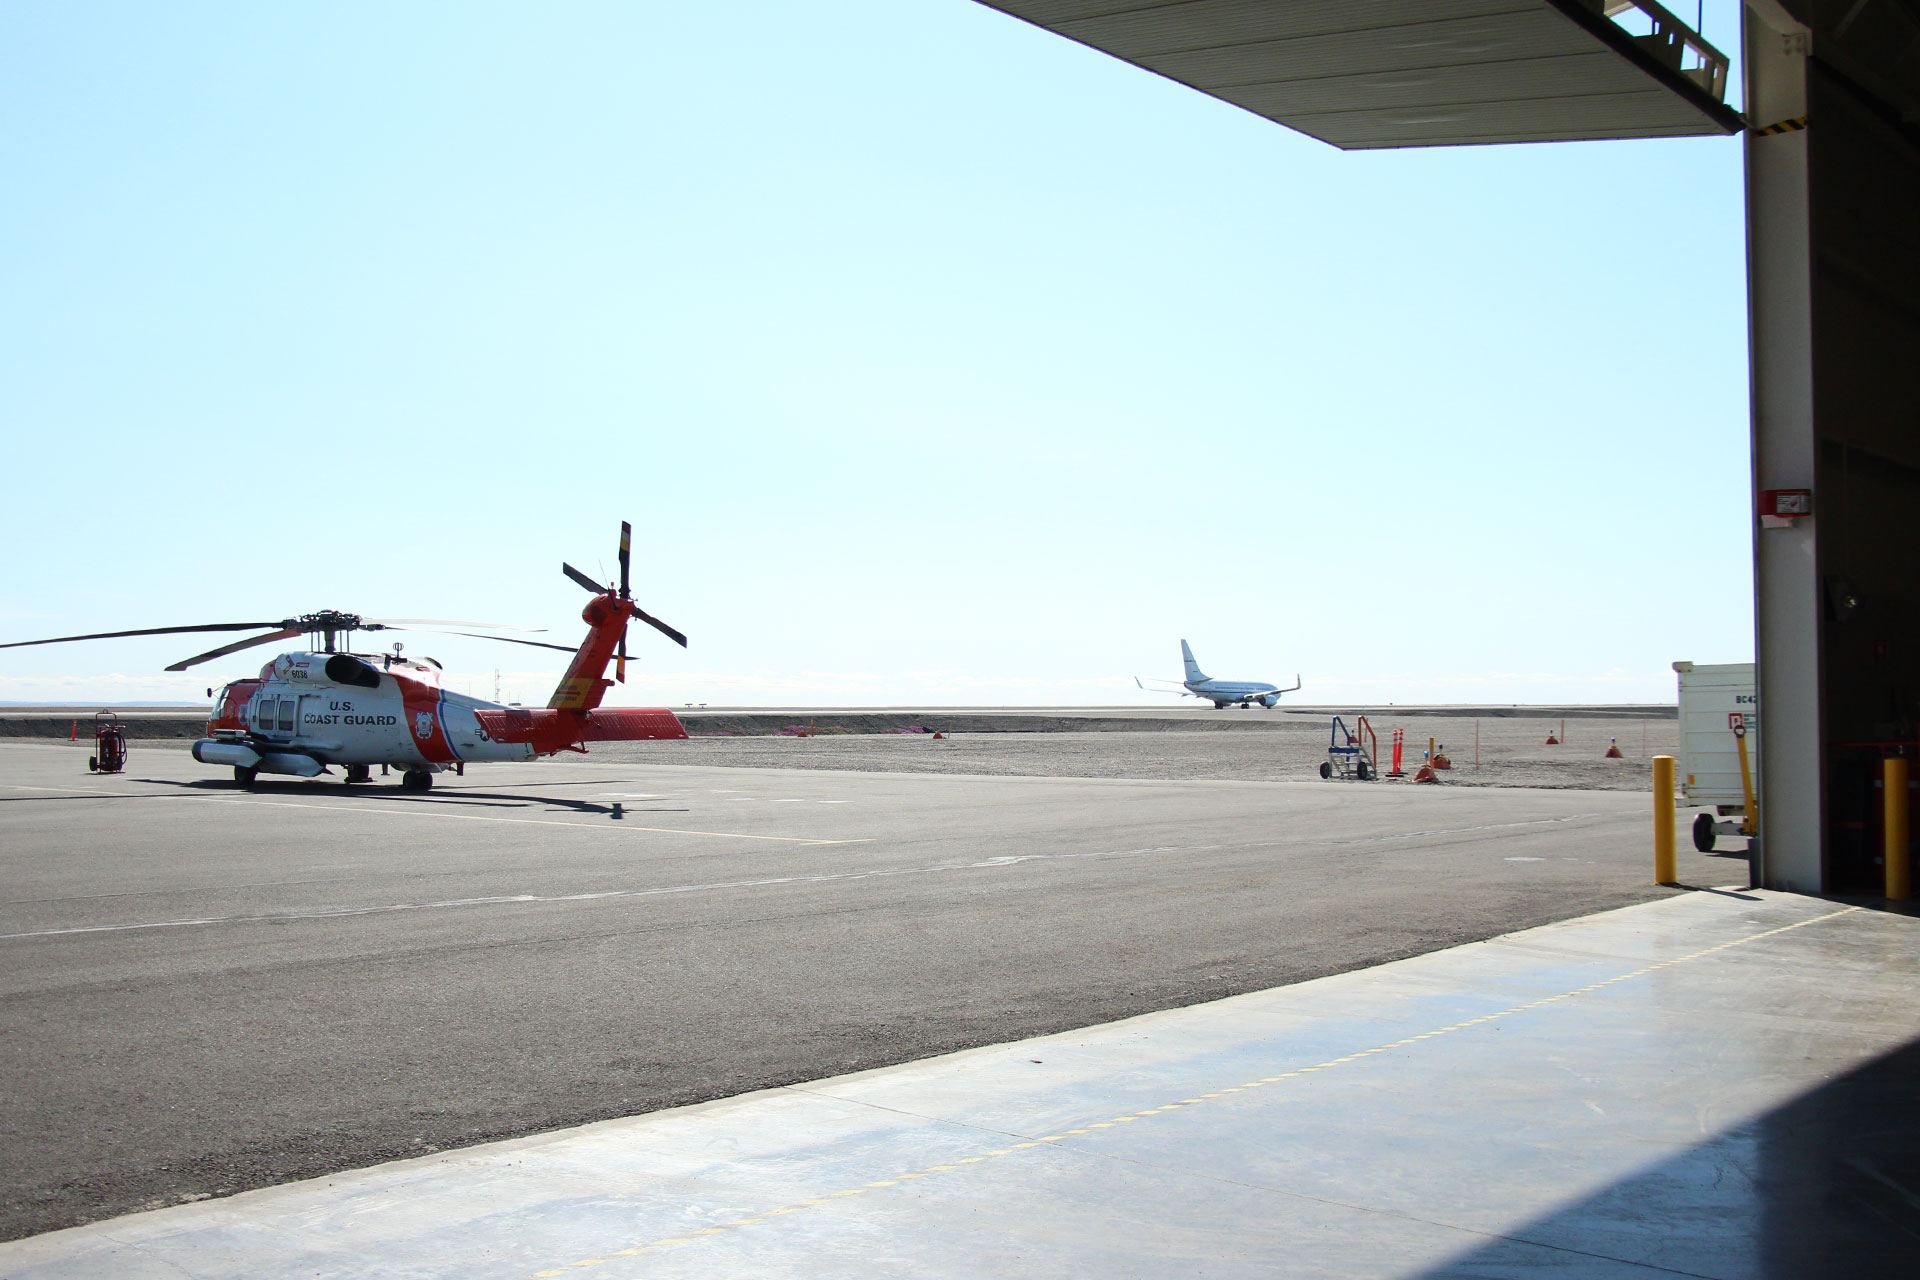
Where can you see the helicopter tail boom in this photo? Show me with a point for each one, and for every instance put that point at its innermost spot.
(548, 730)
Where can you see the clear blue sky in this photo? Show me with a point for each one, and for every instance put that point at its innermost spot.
(936, 359)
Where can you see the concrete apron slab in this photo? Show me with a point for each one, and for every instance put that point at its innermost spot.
(1573, 1099)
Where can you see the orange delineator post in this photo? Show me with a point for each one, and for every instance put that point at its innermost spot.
(1399, 739)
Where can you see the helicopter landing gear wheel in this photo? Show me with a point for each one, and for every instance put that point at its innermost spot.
(416, 780)
(358, 773)
(1703, 833)
(243, 776)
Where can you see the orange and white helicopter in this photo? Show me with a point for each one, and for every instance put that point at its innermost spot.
(329, 706)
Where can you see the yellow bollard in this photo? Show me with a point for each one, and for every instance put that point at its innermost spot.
(1665, 870)
(1899, 861)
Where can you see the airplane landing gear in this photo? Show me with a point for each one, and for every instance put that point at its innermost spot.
(358, 773)
(416, 780)
(243, 776)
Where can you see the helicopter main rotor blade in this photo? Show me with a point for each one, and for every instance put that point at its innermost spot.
(537, 644)
(448, 622)
(661, 627)
(235, 647)
(152, 631)
(582, 579)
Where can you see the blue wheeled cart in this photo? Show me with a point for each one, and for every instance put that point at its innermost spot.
(1348, 755)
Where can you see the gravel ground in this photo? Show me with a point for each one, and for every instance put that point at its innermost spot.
(1511, 753)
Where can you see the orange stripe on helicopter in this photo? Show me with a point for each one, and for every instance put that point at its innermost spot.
(423, 720)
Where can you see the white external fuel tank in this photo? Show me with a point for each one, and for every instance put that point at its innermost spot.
(242, 756)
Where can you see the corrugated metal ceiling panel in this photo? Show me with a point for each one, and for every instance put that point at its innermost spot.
(1201, 24)
(1387, 73)
(1492, 46)
(1571, 76)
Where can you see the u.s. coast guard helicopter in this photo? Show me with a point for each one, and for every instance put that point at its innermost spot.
(1222, 693)
(328, 706)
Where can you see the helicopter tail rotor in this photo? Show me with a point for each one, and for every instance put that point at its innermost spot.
(626, 566)
(624, 595)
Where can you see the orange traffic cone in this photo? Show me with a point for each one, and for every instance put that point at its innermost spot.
(1426, 774)
(1613, 749)
(1440, 760)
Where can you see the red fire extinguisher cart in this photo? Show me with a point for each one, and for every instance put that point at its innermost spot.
(109, 744)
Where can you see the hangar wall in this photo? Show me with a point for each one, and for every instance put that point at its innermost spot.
(1863, 184)
(1833, 205)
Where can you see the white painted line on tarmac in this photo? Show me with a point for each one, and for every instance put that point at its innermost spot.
(520, 899)
(1463, 831)
(411, 812)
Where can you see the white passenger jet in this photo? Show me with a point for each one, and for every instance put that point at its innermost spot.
(1222, 693)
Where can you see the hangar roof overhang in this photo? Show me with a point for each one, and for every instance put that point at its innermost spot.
(1364, 74)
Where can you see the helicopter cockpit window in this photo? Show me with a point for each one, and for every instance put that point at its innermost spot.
(286, 714)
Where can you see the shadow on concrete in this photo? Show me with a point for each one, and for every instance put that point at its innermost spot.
(1911, 907)
(334, 790)
(1827, 1185)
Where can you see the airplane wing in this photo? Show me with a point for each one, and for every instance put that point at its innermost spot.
(1163, 686)
(1290, 688)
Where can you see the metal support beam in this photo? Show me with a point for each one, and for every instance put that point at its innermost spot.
(1787, 604)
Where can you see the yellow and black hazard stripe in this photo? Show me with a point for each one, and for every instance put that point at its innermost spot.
(1795, 125)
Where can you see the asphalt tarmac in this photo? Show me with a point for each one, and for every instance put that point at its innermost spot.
(204, 990)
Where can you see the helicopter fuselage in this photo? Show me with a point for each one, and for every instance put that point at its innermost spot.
(306, 711)
(327, 706)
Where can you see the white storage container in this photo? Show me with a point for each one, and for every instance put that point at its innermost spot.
(1709, 764)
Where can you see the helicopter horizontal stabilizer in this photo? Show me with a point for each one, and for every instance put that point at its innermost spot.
(550, 730)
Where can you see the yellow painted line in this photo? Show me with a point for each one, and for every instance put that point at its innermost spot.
(517, 822)
(1188, 1102)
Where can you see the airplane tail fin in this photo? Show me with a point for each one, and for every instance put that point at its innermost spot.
(1193, 668)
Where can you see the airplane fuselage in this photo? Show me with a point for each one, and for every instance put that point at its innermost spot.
(1226, 692)
(1223, 693)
